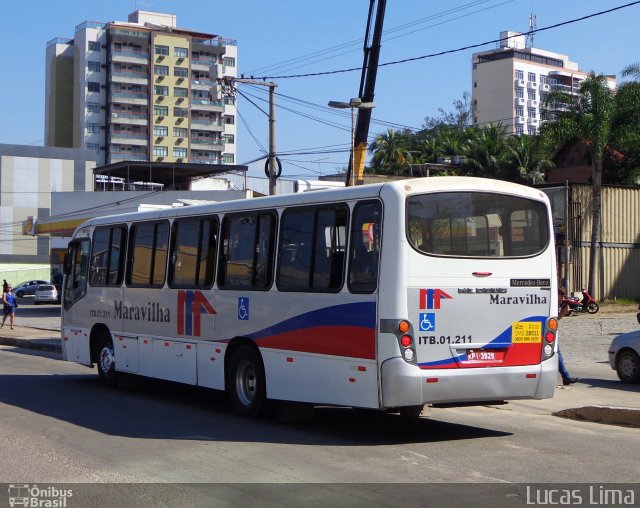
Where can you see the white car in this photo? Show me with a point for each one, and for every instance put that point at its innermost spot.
(624, 355)
(46, 293)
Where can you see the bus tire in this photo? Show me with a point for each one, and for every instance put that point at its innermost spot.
(411, 411)
(246, 387)
(106, 361)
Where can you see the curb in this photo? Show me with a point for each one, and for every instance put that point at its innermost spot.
(628, 417)
(40, 344)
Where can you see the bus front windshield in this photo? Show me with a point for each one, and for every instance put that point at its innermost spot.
(476, 224)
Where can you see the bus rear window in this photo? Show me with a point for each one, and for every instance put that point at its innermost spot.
(473, 224)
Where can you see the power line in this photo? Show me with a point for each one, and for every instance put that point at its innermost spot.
(450, 51)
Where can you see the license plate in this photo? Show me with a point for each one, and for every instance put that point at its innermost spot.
(481, 355)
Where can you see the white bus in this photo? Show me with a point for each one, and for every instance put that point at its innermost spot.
(387, 296)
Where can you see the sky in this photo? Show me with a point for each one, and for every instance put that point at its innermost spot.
(281, 38)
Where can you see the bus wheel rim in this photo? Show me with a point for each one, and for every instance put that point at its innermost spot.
(246, 383)
(107, 359)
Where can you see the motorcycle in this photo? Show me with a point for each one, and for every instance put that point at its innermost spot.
(576, 305)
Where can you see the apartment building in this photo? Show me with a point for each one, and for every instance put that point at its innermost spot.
(510, 83)
(142, 90)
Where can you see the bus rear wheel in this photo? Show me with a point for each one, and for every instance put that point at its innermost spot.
(246, 387)
(107, 361)
(411, 411)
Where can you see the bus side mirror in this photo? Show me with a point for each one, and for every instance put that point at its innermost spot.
(66, 264)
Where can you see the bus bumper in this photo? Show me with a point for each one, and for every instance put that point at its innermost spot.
(407, 385)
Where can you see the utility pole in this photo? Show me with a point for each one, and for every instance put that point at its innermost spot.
(273, 171)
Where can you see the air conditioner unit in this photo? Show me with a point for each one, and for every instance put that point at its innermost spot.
(520, 101)
(545, 87)
(532, 103)
(519, 83)
(532, 84)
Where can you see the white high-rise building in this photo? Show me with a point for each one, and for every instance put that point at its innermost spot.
(510, 83)
(141, 90)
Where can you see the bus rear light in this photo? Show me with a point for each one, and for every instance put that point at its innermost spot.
(289, 359)
(553, 324)
(409, 354)
(403, 326)
(352, 380)
(362, 369)
(550, 337)
(531, 376)
(548, 350)
(406, 340)
(432, 380)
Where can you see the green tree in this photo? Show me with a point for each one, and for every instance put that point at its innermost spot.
(632, 70)
(391, 153)
(486, 150)
(530, 159)
(586, 116)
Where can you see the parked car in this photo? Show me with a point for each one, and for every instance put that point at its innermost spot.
(28, 288)
(624, 355)
(46, 293)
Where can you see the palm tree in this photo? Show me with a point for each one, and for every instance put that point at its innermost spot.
(588, 117)
(486, 150)
(530, 158)
(632, 70)
(390, 151)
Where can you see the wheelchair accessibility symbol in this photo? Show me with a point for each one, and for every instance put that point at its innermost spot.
(427, 321)
(243, 308)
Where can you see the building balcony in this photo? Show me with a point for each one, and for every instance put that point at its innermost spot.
(207, 105)
(206, 160)
(203, 84)
(520, 101)
(129, 118)
(204, 124)
(127, 35)
(531, 103)
(532, 121)
(207, 143)
(117, 156)
(203, 64)
(132, 77)
(519, 83)
(519, 120)
(532, 85)
(129, 138)
(129, 97)
(129, 56)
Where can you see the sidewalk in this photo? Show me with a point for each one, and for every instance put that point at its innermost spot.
(597, 398)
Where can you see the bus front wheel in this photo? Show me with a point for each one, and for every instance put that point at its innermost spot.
(107, 361)
(246, 387)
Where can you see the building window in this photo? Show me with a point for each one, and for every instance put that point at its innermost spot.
(519, 130)
(181, 52)
(94, 46)
(520, 93)
(180, 132)
(160, 151)
(93, 107)
(181, 72)
(519, 111)
(92, 86)
(161, 70)
(531, 77)
(162, 50)
(160, 130)
(161, 110)
(160, 90)
(93, 66)
(531, 112)
(531, 131)
(229, 61)
(229, 119)
(93, 147)
(93, 128)
(180, 92)
(519, 74)
(179, 152)
(544, 80)
(229, 138)
(532, 95)
(228, 158)
(543, 97)
(181, 112)
(228, 100)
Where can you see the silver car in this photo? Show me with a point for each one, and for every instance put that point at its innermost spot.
(28, 288)
(46, 293)
(624, 355)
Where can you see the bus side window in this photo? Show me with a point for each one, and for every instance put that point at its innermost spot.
(77, 278)
(365, 247)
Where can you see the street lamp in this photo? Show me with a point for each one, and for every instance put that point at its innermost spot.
(353, 104)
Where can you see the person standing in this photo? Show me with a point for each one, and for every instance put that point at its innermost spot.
(10, 304)
(567, 379)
